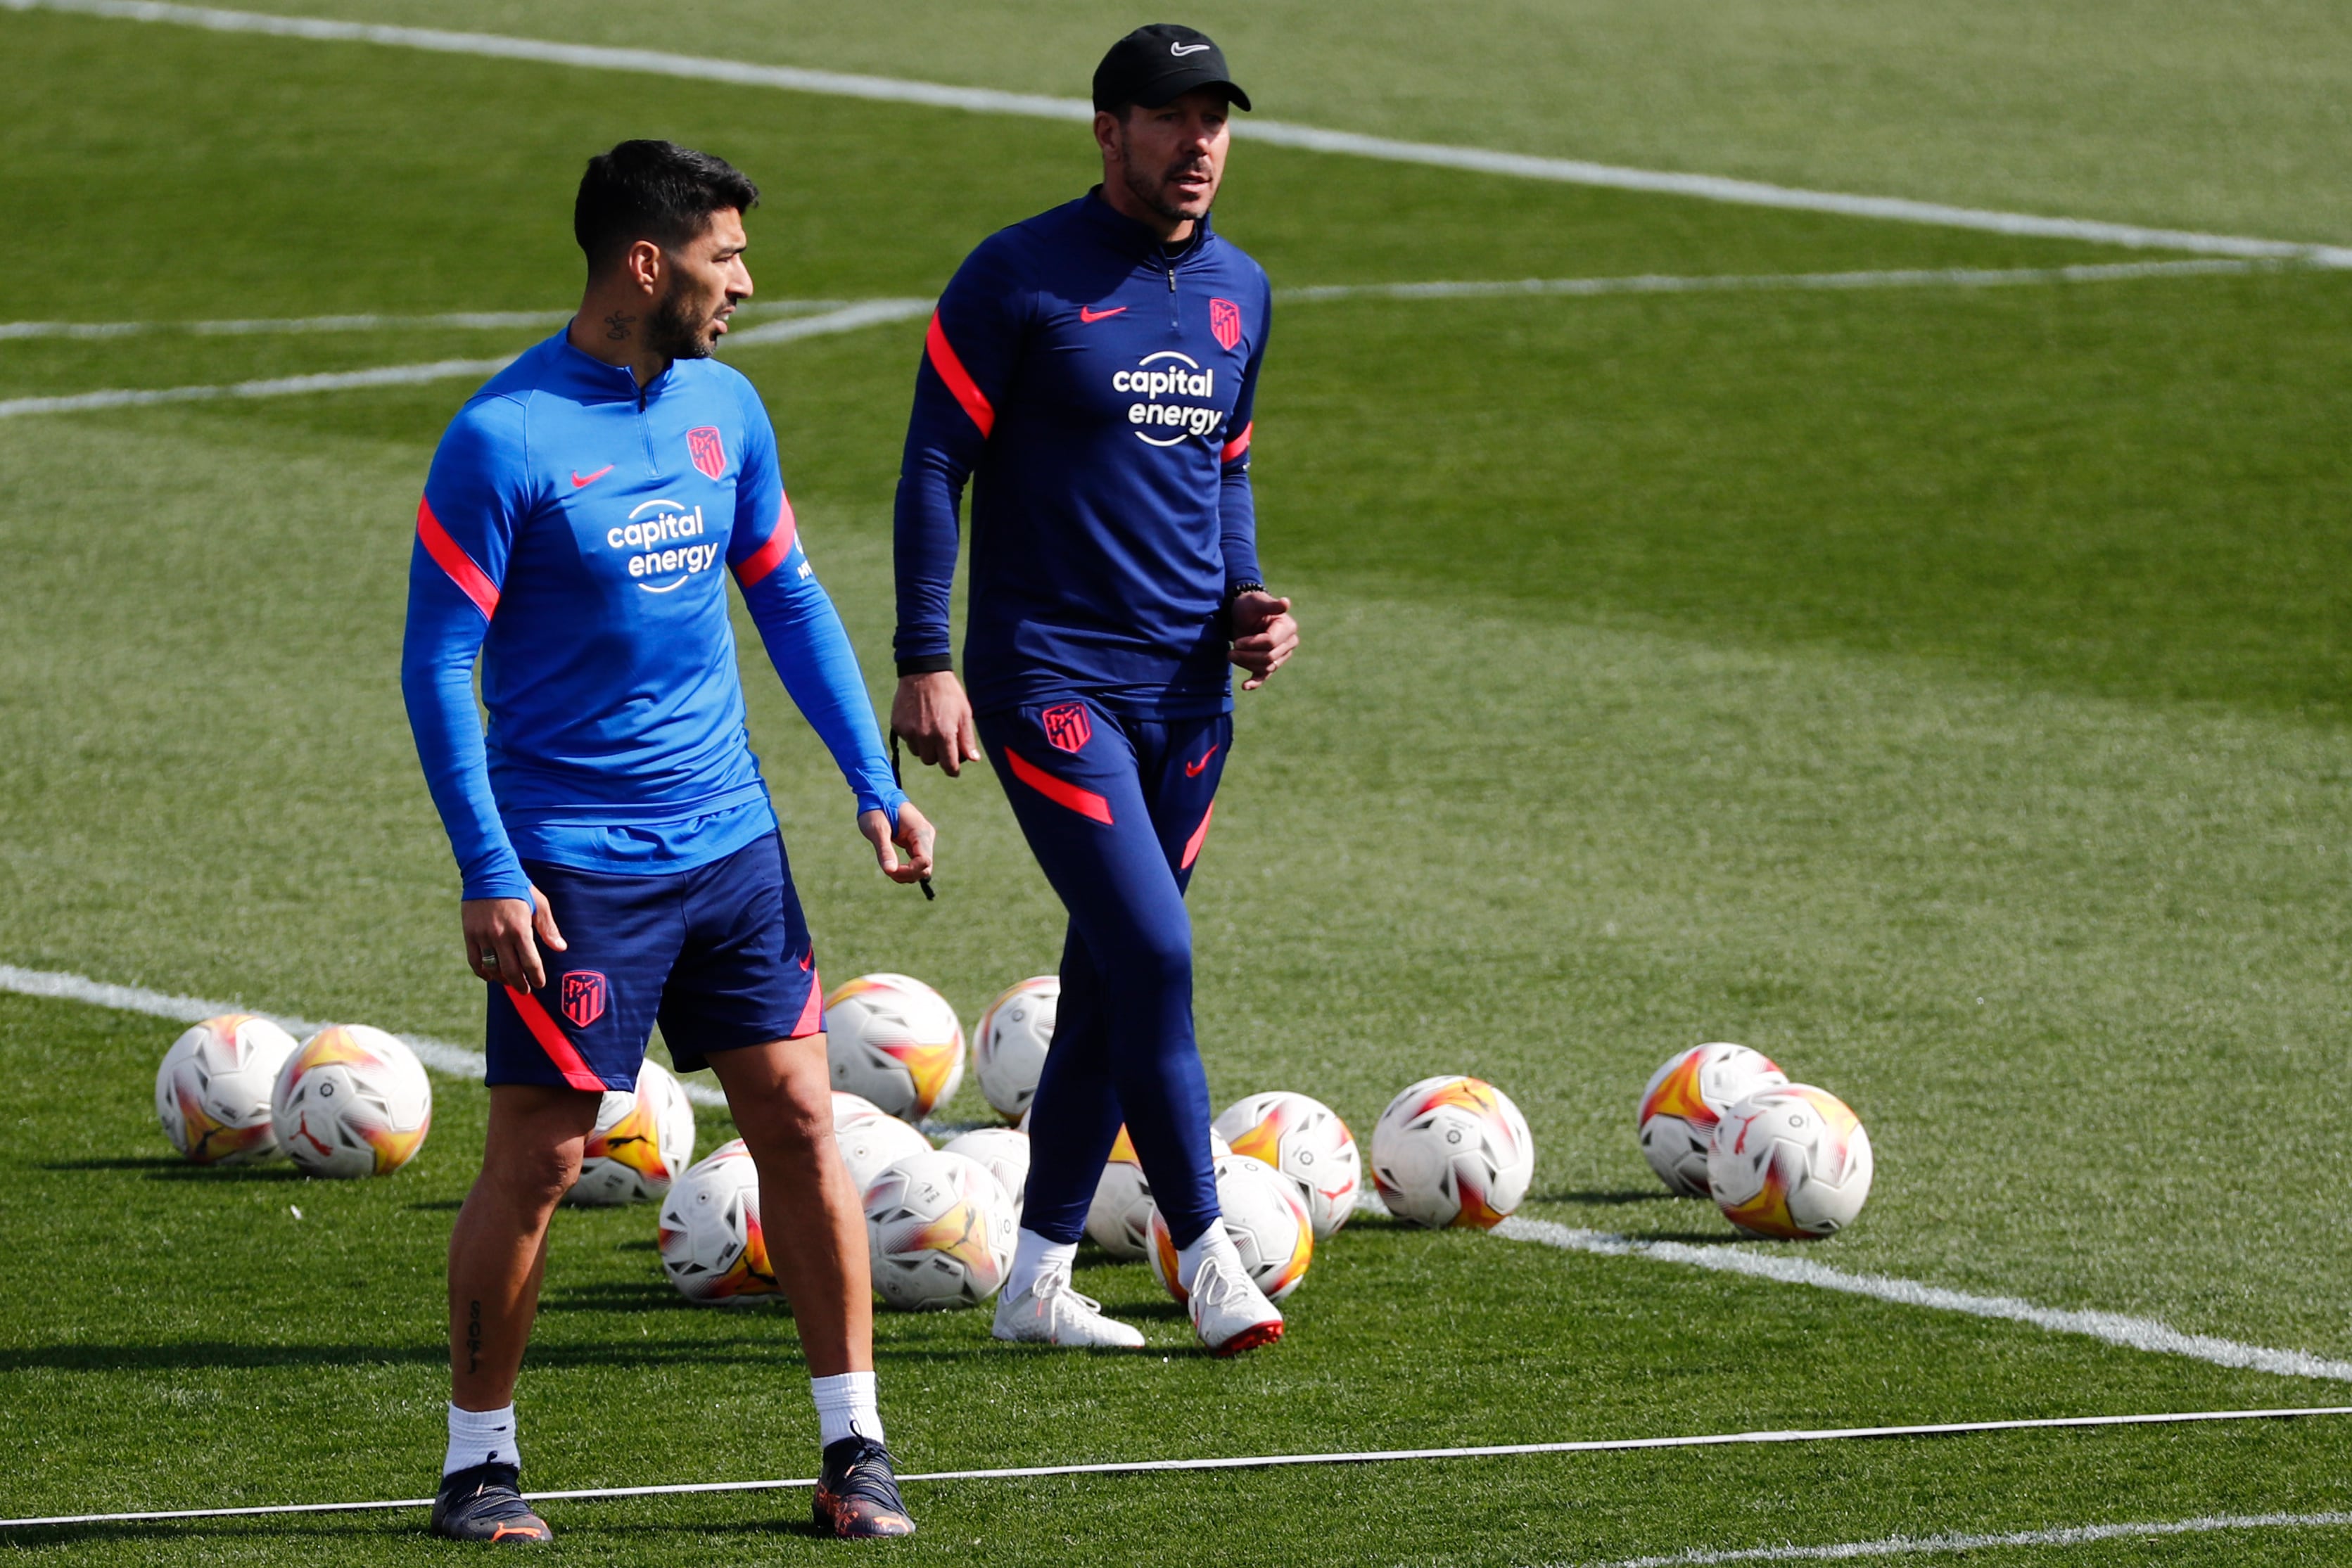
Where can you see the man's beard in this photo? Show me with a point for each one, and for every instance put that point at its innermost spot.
(1148, 190)
(675, 334)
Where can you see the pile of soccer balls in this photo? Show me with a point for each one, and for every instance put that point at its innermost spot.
(348, 1102)
(1782, 1160)
(940, 1222)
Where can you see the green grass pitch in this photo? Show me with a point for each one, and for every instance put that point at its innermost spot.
(1943, 691)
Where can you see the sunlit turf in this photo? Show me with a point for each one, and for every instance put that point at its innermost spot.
(1943, 692)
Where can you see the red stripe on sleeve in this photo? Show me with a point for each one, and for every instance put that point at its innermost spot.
(950, 369)
(1199, 836)
(769, 556)
(1238, 444)
(551, 1038)
(1084, 802)
(471, 581)
(812, 1016)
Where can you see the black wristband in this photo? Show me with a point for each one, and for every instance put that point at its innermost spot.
(1247, 585)
(927, 664)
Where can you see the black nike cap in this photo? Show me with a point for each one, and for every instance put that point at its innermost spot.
(1157, 64)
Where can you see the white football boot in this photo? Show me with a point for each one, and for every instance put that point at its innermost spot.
(1050, 1312)
(1230, 1313)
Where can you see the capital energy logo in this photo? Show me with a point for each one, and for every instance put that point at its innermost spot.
(665, 537)
(1171, 376)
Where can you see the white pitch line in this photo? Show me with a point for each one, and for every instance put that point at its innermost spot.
(1271, 1461)
(1895, 277)
(295, 324)
(1923, 1545)
(2147, 1334)
(845, 320)
(988, 100)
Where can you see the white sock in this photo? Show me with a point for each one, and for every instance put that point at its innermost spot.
(1213, 1240)
(1031, 1254)
(845, 1407)
(480, 1438)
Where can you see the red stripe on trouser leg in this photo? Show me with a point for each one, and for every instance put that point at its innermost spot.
(966, 391)
(470, 580)
(812, 1016)
(1084, 802)
(551, 1040)
(1199, 836)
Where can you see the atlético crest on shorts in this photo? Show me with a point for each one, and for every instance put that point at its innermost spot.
(1067, 727)
(1225, 323)
(584, 991)
(709, 451)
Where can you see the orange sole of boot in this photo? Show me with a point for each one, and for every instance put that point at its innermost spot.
(1251, 1339)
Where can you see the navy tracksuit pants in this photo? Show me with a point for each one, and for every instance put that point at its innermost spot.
(1116, 810)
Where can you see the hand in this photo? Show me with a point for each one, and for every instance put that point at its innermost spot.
(933, 717)
(1264, 636)
(498, 945)
(914, 835)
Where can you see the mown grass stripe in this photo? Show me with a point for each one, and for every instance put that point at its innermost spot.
(1925, 1545)
(990, 100)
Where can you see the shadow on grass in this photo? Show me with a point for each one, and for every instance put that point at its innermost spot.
(163, 1168)
(1594, 1199)
(337, 1528)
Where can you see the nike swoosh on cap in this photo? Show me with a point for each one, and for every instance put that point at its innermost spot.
(1087, 314)
(1188, 48)
(580, 484)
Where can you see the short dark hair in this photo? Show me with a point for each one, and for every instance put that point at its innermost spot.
(653, 189)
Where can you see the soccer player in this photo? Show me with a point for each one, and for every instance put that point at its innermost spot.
(1092, 372)
(621, 860)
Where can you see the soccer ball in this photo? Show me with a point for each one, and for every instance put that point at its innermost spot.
(1790, 1162)
(1009, 1047)
(643, 1139)
(352, 1102)
(896, 1041)
(1453, 1150)
(1683, 1101)
(1003, 1151)
(1120, 1218)
(1266, 1219)
(871, 1143)
(711, 1244)
(940, 1231)
(1305, 1140)
(212, 1092)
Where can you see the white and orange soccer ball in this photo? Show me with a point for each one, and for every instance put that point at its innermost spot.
(1266, 1220)
(940, 1231)
(1790, 1162)
(352, 1102)
(643, 1138)
(711, 1244)
(1008, 1048)
(896, 1041)
(870, 1140)
(1305, 1140)
(1686, 1098)
(212, 1092)
(1119, 1217)
(1005, 1151)
(1453, 1150)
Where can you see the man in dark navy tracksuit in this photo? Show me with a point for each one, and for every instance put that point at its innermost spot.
(1092, 371)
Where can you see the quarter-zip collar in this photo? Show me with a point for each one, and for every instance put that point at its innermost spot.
(593, 380)
(1138, 240)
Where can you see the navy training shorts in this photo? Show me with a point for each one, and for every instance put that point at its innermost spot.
(720, 956)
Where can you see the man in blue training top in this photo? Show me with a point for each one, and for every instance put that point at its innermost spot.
(1092, 371)
(620, 861)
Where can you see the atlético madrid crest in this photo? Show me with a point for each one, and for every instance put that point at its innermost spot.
(1066, 726)
(584, 997)
(1225, 323)
(710, 452)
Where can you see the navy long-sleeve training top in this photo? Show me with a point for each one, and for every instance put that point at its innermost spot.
(571, 534)
(1096, 390)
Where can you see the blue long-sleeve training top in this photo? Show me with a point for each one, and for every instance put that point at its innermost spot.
(1096, 390)
(571, 534)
